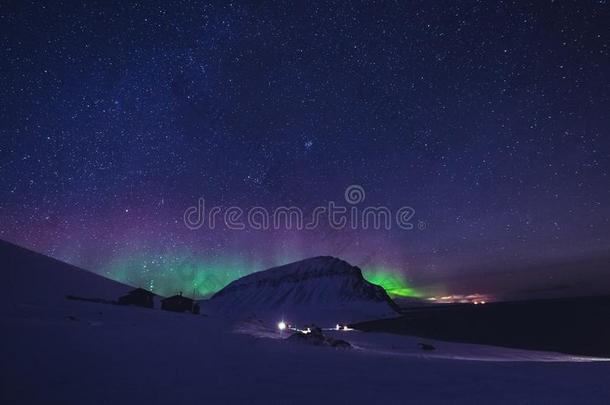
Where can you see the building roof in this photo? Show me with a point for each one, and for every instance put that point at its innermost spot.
(140, 291)
(177, 297)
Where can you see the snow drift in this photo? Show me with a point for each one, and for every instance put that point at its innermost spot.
(312, 290)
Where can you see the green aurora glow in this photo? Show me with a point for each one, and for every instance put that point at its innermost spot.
(394, 283)
(168, 275)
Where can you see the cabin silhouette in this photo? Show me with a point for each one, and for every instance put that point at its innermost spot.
(139, 297)
(179, 303)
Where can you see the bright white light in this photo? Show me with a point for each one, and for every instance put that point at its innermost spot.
(281, 325)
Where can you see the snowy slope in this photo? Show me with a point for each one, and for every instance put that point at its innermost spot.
(31, 278)
(318, 289)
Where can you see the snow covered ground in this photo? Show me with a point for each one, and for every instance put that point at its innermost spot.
(408, 346)
(62, 351)
(91, 353)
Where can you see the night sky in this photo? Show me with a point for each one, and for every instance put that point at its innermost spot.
(491, 120)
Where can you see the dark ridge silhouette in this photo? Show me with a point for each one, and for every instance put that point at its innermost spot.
(567, 325)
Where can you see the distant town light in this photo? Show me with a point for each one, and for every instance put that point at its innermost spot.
(281, 325)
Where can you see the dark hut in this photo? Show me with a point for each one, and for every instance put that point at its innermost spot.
(179, 303)
(139, 297)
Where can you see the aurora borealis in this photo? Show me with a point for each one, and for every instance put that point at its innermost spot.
(393, 282)
(166, 277)
(200, 279)
(489, 119)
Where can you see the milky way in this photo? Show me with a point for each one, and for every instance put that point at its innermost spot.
(489, 120)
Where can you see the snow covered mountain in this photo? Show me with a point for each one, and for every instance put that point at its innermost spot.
(312, 290)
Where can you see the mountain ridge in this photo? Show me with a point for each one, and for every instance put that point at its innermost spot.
(318, 284)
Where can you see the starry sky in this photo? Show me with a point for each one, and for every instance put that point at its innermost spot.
(489, 119)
